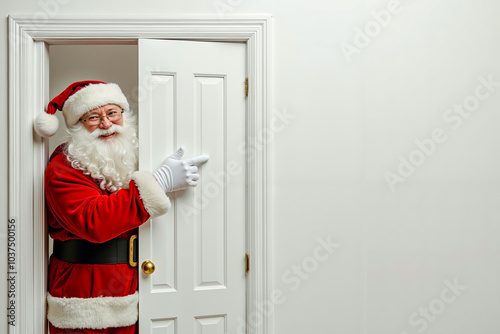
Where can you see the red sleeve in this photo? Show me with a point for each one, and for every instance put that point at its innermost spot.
(85, 210)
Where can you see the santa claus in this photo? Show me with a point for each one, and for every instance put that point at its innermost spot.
(96, 200)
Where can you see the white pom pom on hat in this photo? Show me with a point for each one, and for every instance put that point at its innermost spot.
(46, 125)
(75, 101)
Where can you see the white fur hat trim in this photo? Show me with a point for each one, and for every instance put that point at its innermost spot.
(90, 97)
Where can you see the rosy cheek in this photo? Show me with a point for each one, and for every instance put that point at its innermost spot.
(90, 128)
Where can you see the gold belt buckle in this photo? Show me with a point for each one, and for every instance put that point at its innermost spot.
(131, 261)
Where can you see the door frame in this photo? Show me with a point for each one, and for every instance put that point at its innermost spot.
(29, 40)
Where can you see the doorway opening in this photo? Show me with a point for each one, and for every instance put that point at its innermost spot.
(29, 57)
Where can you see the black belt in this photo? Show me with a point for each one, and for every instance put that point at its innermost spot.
(85, 252)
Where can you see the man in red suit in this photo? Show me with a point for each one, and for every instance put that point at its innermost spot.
(96, 200)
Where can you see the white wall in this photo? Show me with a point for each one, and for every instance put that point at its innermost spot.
(353, 122)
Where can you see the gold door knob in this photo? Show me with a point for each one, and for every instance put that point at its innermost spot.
(148, 267)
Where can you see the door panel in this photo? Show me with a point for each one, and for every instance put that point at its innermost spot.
(192, 95)
(162, 235)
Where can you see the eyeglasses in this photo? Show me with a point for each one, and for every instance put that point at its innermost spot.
(95, 119)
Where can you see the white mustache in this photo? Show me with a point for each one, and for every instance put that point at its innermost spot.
(104, 132)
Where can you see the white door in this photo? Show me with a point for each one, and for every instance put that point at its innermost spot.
(191, 94)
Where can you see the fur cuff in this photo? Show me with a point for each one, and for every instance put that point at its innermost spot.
(155, 201)
(93, 313)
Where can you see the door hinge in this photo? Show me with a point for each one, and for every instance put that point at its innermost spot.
(246, 87)
(247, 263)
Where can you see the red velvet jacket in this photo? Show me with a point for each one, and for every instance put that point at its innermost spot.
(79, 209)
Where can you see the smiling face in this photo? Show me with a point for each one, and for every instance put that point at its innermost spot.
(105, 150)
(104, 123)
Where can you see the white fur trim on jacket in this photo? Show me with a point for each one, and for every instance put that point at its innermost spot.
(90, 97)
(93, 313)
(155, 201)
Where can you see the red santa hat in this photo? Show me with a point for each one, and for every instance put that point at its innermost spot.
(75, 101)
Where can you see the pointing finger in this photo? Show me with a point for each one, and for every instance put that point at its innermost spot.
(198, 160)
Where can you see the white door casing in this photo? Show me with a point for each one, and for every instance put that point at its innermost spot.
(28, 153)
(192, 95)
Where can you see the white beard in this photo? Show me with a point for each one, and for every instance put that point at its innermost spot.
(111, 161)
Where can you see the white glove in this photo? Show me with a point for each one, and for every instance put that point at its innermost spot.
(176, 174)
